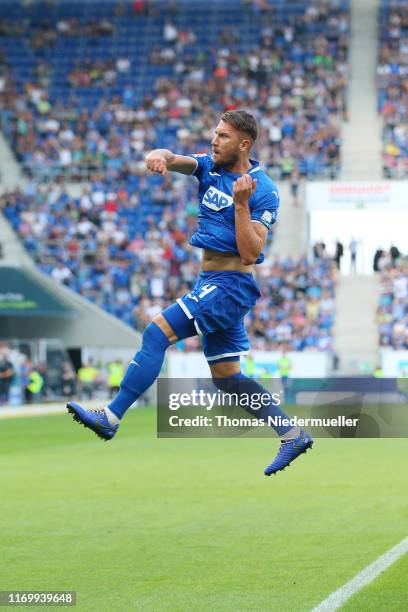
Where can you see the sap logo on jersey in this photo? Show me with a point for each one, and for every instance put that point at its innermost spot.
(216, 199)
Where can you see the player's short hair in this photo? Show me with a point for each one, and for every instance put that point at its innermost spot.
(243, 121)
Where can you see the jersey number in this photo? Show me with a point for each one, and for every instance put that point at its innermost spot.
(205, 290)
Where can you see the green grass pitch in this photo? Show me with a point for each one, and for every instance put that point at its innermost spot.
(174, 525)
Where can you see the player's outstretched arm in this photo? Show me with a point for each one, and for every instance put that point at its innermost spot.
(162, 160)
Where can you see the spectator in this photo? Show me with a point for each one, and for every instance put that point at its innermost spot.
(116, 372)
(392, 311)
(395, 254)
(68, 380)
(353, 254)
(294, 186)
(377, 256)
(88, 376)
(339, 252)
(34, 383)
(6, 374)
(170, 32)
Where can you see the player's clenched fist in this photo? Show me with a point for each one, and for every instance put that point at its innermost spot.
(243, 188)
(156, 163)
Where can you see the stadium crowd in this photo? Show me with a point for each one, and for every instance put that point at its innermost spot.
(392, 312)
(25, 379)
(82, 97)
(90, 115)
(392, 80)
(87, 243)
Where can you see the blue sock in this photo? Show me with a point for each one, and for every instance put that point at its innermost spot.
(146, 364)
(239, 383)
(142, 371)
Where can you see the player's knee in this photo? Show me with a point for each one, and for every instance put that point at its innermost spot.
(223, 369)
(227, 384)
(154, 338)
(160, 321)
(164, 326)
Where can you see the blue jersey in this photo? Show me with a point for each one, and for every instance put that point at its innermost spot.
(216, 219)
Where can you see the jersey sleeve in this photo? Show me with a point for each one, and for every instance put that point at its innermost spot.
(204, 162)
(265, 209)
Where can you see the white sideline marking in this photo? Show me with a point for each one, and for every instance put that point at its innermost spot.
(367, 575)
(24, 411)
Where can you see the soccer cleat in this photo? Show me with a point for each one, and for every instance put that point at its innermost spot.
(288, 451)
(94, 419)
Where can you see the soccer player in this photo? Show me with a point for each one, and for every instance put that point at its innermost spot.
(238, 204)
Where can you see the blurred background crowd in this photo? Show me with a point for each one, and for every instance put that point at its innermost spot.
(86, 244)
(392, 313)
(72, 105)
(392, 80)
(26, 380)
(87, 89)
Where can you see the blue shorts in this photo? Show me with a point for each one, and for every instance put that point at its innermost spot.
(218, 304)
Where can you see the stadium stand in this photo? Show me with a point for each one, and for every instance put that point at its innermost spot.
(91, 86)
(88, 244)
(392, 79)
(297, 307)
(88, 88)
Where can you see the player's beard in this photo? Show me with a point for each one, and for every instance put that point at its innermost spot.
(228, 162)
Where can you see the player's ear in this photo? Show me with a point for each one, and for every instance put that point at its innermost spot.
(245, 145)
